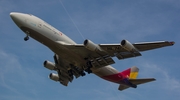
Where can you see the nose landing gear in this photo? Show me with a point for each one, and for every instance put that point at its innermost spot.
(27, 36)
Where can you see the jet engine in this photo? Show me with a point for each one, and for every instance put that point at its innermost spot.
(49, 65)
(92, 46)
(54, 76)
(128, 46)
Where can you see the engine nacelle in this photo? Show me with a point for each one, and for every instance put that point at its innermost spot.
(92, 46)
(49, 65)
(128, 46)
(54, 76)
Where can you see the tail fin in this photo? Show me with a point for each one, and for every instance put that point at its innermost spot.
(131, 73)
(131, 80)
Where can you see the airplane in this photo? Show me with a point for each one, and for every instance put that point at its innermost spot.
(74, 60)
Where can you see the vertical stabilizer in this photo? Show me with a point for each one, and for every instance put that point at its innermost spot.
(133, 73)
(130, 73)
(130, 79)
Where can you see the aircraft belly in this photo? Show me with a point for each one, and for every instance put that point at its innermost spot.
(62, 52)
(105, 71)
(70, 57)
(37, 36)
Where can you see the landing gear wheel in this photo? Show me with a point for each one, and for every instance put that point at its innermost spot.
(83, 74)
(70, 73)
(89, 66)
(26, 38)
(134, 85)
(89, 71)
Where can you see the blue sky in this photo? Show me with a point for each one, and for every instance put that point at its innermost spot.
(23, 77)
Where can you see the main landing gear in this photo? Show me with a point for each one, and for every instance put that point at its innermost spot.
(89, 66)
(82, 73)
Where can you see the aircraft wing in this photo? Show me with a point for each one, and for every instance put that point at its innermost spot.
(101, 54)
(102, 58)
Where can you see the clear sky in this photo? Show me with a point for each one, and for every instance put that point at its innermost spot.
(23, 77)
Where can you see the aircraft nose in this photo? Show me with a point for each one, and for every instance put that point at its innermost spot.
(18, 18)
(14, 15)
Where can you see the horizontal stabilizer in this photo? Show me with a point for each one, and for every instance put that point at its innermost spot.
(141, 81)
(122, 87)
(135, 82)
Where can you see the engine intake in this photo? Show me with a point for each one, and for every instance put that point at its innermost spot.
(128, 46)
(54, 76)
(92, 46)
(49, 65)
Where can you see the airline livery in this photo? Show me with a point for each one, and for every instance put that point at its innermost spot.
(73, 60)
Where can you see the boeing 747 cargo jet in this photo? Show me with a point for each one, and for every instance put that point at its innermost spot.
(73, 60)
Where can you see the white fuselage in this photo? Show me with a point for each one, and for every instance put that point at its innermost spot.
(50, 36)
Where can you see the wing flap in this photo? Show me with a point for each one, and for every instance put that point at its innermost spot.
(65, 82)
(102, 61)
(123, 55)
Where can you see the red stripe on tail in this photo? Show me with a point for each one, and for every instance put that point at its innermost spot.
(126, 73)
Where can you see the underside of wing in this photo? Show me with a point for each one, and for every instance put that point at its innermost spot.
(101, 53)
(97, 58)
(144, 46)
